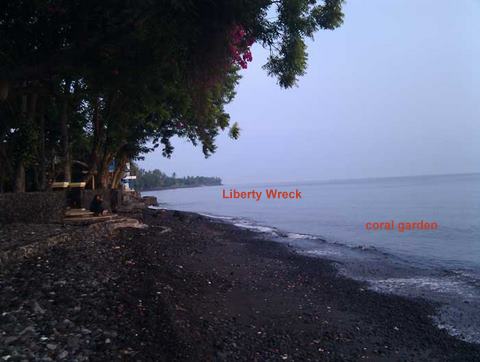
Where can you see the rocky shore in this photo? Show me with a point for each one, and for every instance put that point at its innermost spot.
(187, 288)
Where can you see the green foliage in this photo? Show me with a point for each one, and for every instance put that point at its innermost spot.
(296, 20)
(234, 131)
(134, 74)
(155, 179)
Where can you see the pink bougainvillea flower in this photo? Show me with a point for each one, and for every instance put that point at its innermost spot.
(239, 46)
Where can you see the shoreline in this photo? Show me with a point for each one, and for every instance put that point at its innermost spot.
(384, 272)
(177, 187)
(192, 288)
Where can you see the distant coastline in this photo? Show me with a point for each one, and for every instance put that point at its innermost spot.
(175, 187)
(155, 180)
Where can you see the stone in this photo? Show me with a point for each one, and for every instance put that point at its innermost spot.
(10, 339)
(28, 329)
(37, 308)
(63, 355)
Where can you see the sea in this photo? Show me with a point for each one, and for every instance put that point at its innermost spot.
(441, 265)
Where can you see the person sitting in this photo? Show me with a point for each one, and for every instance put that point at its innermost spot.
(96, 206)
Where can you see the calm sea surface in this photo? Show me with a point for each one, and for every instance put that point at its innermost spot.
(329, 221)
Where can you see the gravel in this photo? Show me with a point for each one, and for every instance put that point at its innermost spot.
(189, 289)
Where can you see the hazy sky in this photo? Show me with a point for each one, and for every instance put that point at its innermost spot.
(394, 91)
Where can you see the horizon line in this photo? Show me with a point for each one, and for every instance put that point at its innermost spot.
(358, 178)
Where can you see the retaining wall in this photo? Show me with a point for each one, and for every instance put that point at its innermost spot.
(33, 207)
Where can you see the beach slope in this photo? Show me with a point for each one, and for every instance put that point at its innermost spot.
(188, 288)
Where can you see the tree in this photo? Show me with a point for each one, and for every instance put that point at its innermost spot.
(88, 82)
(156, 179)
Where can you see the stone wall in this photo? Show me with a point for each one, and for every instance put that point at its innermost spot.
(49, 206)
(33, 207)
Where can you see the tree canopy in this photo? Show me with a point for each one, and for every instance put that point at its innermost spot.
(85, 82)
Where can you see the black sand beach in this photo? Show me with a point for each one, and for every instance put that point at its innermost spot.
(190, 289)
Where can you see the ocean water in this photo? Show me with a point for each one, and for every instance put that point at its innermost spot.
(442, 265)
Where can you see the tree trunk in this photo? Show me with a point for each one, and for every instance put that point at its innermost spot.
(42, 177)
(67, 169)
(19, 182)
(103, 174)
(4, 88)
(96, 147)
(102, 178)
(119, 171)
(19, 185)
(4, 167)
(31, 118)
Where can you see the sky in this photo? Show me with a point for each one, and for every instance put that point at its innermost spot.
(394, 92)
